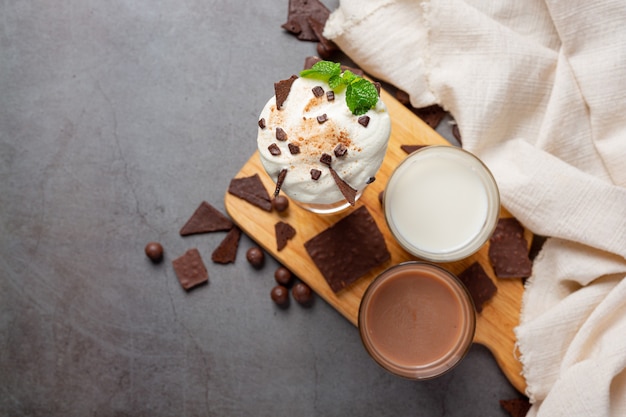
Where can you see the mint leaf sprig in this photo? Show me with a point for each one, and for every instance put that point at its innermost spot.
(361, 95)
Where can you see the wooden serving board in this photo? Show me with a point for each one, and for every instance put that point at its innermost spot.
(500, 315)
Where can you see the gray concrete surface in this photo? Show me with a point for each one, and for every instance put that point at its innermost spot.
(117, 118)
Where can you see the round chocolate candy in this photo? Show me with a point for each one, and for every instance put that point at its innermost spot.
(283, 276)
(255, 256)
(280, 295)
(302, 293)
(280, 203)
(154, 251)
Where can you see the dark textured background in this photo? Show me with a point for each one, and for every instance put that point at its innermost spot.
(117, 118)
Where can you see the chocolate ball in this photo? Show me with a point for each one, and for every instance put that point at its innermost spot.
(154, 251)
(280, 295)
(302, 293)
(280, 203)
(283, 276)
(255, 256)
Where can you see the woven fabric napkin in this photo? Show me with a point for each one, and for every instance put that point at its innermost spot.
(538, 89)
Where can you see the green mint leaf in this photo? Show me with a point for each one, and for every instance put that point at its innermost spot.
(335, 82)
(348, 77)
(322, 70)
(361, 95)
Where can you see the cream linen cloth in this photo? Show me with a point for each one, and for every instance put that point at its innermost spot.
(538, 89)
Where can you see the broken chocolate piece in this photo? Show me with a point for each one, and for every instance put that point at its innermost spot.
(299, 13)
(364, 121)
(322, 118)
(479, 285)
(281, 135)
(349, 249)
(348, 192)
(508, 250)
(282, 89)
(411, 148)
(190, 269)
(340, 150)
(284, 233)
(274, 149)
(330, 95)
(326, 159)
(206, 219)
(431, 115)
(316, 174)
(293, 148)
(262, 123)
(226, 252)
(328, 47)
(252, 190)
(516, 407)
(279, 181)
(318, 91)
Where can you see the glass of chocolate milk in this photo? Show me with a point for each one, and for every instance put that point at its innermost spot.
(417, 320)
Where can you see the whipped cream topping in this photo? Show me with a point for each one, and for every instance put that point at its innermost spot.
(309, 126)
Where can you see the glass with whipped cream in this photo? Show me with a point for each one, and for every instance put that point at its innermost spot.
(441, 203)
(320, 154)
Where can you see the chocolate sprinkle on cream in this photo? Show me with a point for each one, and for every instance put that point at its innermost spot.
(330, 95)
(274, 149)
(322, 118)
(281, 135)
(282, 89)
(348, 192)
(326, 159)
(262, 123)
(364, 121)
(316, 174)
(318, 91)
(293, 148)
(340, 150)
(279, 181)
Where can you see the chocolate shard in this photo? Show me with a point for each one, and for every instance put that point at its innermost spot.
(262, 123)
(299, 13)
(274, 149)
(348, 249)
(330, 95)
(322, 118)
(411, 148)
(340, 150)
(206, 219)
(326, 159)
(318, 91)
(315, 174)
(431, 115)
(284, 233)
(479, 285)
(282, 89)
(508, 250)
(190, 269)
(279, 181)
(281, 135)
(294, 149)
(364, 121)
(348, 192)
(226, 252)
(252, 190)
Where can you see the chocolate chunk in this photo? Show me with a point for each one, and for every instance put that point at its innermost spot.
(340, 150)
(411, 148)
(315, 174)
(252, 190)
(322, 118)
(274, 149)
(255, 256)
(479, 285)
(283, 276)
(302, 294)
(282, 90)
(280, 295)
(281, 135)
(293, 148)
(364, 121)
(318, 91)
(330, 95)
(279, 181)
(431, 115)
(326, 159)
(348, 192)
(284, 232)
(516, 407)
(299, 13)
(190, 269)
(262, 123)
(154, 251)
(280, 203)
(226, 252)
(206, 219)
(508, 250)
(349, 249)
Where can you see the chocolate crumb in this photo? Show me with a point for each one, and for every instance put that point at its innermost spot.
(322, 118)
(316, 174)
(279, 181)
(282, 89)
(318, 91)
(281, 135)
(293, 148)
(340, 150)
(326, 159)
(330, 95)
(274, 149)
(364, 121)
(262, 123)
